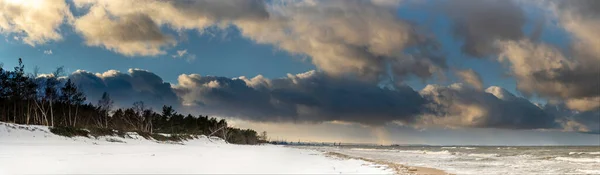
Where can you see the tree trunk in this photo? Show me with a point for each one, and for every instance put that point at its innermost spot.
(15, 112)
(106, 120)
(28, 111)
(75, 117)
(69, 123)
(51, 115)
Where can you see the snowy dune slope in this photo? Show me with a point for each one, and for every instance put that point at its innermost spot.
(34, 150)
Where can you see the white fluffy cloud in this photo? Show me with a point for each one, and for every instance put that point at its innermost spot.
(550, 72)
(133, 27)
(362, 38)
(48, 52)
(130, 35)
(185, 55)
(470, 77)
(544, 70)
(34, 21)
(341, 37)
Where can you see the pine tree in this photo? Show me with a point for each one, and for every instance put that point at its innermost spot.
(4, 91)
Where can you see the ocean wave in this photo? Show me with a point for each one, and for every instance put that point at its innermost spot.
(365, 149)
(444, 152)
(589, 171)
(484, 155)
(579, 160)
(547, 158)
(506, 148)
(467, 148)
(458, 148)
(484, 159)
(579, 153)
(524, 156)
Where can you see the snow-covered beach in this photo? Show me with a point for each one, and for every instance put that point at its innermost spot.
(34, 150)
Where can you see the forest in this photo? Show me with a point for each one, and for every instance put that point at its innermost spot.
(53, 100)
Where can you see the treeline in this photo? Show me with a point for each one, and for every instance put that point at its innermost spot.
(55, 101)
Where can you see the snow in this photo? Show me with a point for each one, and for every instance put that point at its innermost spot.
(34, 150)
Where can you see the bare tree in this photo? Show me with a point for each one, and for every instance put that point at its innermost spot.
(104, 104)
(263, 136)
(139, 107)
(49, 94)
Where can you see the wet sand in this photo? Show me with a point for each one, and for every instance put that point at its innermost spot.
(398, 168)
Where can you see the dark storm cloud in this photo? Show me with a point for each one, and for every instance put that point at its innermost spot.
(480, 23)
(124, 89)
(307, 97)
(585, 122)
(315, 97)
(460, 105)
(588, 8)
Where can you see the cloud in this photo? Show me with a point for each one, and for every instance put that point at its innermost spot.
(35, 22)
(353, 44)
(184, 54)
(133, 27)
(307, 97)
(351, 37)
(569, 75)
(543, 70)
(126, 88)
(584, 104)
(462, 106)
(316, 97)
(130, 35)
(48, 52)
(481, 23)
(470, 77)
(180, 53)
(585, 122)
(361, 38)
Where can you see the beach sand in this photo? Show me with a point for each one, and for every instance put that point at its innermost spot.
(398, 168)
(34, 150)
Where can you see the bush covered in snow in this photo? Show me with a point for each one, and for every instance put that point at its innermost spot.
(68, 131)
(97, 132)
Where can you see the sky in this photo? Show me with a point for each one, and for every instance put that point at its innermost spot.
(487, 72)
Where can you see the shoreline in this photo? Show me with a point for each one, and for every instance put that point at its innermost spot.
(399, 169)
(24, 145)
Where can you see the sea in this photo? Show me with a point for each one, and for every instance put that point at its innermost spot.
(484, 160)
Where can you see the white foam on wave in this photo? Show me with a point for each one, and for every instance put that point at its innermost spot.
(444, 152)
(467, 148)
(579, 160)
(506, 148)
(484, 155)
(589, 171)
(458, 148)
(494, 160)
(578, 153)
(364, 149)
